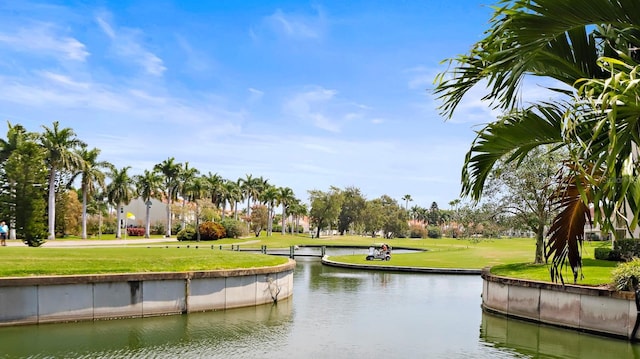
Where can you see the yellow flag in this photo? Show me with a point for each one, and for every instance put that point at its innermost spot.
(130, 215)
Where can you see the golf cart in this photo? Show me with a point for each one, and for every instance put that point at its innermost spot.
(382, 252)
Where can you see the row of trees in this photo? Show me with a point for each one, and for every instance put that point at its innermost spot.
(40, 169)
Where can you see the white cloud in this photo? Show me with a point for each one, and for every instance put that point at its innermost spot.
(297, 26)
(310, 105)
(255, 95)
(43, 38)
(126, 44)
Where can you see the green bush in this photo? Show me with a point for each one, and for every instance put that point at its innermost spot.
(434, 232)
(234, 228)
(176, 227)
(298, 228)
(211, 231)
(187, 234)
(417, 231)
(602, 253)
(627, 275)
(627, 249)
(157, 228)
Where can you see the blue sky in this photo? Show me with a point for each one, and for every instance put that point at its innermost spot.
(305, 94)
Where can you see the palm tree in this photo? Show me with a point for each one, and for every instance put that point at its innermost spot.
(120, 192)
(91, 175)
(407, 198)
(594, 117)
(215, 182)
(251, 188)
(269, 196)
(184, 182)
(231, 193)
(58, 145)
(197, 188)
(148, 187)
(285, 198)
(170, 172)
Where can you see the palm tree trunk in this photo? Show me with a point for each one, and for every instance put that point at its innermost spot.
(183, 225)
(118, 220)
(52, 203)
(84, 212)
(168, 229)
(147, 221)
(284, 219)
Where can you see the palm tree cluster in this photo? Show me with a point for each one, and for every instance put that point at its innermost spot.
(588, 50)
(53, 161)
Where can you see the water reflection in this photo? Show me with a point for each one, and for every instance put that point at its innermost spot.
(540, 341)
(210, 335)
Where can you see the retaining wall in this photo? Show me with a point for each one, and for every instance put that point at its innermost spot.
(48, 299)
(596, 310)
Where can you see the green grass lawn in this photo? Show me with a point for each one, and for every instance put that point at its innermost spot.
(25, 261)
(509, 257)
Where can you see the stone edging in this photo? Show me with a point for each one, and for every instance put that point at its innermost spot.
(594, 310)
(49, 299)
(327, 261)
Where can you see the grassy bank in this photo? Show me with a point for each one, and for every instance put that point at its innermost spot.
(509, 257)
(24, 261)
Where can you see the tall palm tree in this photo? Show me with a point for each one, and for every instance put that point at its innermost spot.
(58, 144)
(269, 196)
(170, 170)
(147, 187)
(186, 176)
(120, 191)
(407, 198)
(91, 178)
(216, 191)
(196, 189)
(285, 199)
(584, 45)
(251, 189)
(232, 194)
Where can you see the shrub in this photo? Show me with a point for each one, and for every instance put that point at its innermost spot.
(298, 228)
(187, 234)
(602, 253)
(627, 248)
(417, 231)
(234, 228)
(135, 231)
(211, 231)
(176, 227)
(434, 232)
(627, 275)
(157, 228)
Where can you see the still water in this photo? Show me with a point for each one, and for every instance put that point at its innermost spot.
(334, 313)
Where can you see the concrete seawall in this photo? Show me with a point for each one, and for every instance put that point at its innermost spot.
(595, 310)
(48, 299)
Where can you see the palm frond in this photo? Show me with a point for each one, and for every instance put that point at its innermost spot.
(510, 139)
(566, 232)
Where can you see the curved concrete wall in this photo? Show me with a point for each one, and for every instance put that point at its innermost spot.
(50, 299)
(595, 310)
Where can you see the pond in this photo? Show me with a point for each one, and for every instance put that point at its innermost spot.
(334, 313)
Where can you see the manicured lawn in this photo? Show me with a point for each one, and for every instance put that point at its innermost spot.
(24, 261)
(507, 256)
(595, 272)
